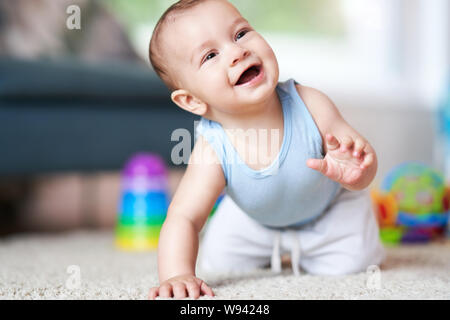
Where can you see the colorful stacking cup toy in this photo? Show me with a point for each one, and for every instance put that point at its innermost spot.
(143, 204)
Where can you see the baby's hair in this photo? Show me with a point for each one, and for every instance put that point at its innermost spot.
(155, 54)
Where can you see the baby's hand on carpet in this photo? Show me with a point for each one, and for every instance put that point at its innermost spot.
(179, 287)
(346, 161)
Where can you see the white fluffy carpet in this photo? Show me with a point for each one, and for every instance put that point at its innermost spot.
(35, 266)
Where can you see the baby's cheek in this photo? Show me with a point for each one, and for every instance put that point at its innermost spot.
(267, 49)
(268, 56)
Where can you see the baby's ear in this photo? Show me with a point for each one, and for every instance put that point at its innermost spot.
(185, 100)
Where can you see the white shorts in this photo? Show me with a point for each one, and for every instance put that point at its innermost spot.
(345, 239)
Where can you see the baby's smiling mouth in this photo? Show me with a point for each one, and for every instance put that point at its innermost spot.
(249, 74)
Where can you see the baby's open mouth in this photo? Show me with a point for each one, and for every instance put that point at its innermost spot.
(249, 74)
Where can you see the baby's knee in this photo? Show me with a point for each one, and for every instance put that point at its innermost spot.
(359, 262)
(215, 257)
(348, 262)
(215, 262)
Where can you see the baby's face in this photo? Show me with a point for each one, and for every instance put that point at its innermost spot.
(220, 59)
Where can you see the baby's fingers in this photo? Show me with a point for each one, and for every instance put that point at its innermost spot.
(318, 164)
(368, 160)
(153, 293)
(179, 290)
(359, 147)
(332, 142)
(205, 289)
(165, 291)
(193, 289)
(346, 143)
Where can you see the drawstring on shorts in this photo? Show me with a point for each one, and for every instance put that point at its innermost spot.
(276, 254)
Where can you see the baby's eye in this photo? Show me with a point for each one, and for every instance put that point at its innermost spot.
(240, 34)
(209, 56)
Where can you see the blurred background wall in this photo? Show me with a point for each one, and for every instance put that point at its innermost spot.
(385, 63)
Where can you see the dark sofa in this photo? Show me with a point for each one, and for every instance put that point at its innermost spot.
(69, 115)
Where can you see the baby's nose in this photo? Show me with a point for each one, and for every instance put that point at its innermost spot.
(238, 55)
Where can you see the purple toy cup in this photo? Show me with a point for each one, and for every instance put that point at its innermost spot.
(144, 172)
(144, 164)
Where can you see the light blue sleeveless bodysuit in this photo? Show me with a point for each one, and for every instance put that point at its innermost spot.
(287, 193)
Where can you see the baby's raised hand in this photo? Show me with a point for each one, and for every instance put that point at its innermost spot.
(346, 161)
(180, 287)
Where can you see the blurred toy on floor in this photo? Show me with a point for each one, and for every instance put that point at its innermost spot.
(412, 204)
(144, 202)
(443, 136)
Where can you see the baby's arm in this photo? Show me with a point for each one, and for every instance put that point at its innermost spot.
(349, 157)
(195, 196)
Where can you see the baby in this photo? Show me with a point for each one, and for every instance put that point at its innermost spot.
(306, 196)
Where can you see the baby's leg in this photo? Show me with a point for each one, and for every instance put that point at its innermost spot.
(344, 240)
(233, 242)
